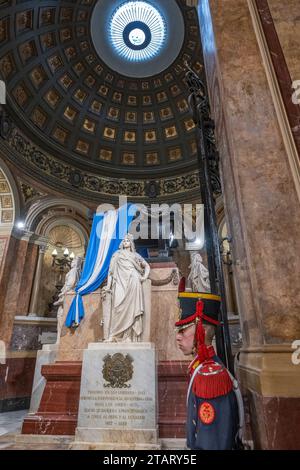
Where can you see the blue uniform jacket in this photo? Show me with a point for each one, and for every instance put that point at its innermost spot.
(212, 424)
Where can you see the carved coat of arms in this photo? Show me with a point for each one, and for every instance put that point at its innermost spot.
(117, 370)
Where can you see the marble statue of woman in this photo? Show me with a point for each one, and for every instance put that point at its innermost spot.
(72, 278)
(127, 271)
(199, 275)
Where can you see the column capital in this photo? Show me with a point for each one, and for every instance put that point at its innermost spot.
(40, 240)
(22, 234)
(31, 237)
(42, 247)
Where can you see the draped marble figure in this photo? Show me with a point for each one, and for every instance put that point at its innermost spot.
(199, 275)
(72, 277)
(127, 271)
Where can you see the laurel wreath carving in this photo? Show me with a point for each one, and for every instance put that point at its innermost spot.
(173, 277)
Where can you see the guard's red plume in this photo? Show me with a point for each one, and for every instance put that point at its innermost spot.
(202, 349)
(199, 308)
(200, 332)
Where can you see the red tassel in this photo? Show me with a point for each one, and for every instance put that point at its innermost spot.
(202, 350)
(213, 385)
(181, 287)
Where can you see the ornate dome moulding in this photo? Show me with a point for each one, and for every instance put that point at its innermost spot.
(96, 95)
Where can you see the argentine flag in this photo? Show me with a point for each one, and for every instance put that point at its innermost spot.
(108, 230)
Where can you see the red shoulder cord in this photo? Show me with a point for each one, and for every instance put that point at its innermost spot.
(210, 386)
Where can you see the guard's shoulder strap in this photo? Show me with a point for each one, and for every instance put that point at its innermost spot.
(240, 403)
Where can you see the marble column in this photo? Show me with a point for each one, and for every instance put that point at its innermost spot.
(262, 214)
(27, 279)
(37, 281)
(16, 281)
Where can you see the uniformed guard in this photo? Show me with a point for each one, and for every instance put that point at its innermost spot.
(214, 403)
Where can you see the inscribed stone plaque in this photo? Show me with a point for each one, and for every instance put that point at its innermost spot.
(118, 387)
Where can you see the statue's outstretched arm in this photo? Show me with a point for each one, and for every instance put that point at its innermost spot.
(146, 271)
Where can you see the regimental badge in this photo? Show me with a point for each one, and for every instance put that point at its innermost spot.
(117, 370)
(207, 413)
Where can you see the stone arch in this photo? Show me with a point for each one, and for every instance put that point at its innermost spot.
(9, 210)
(9, 200)
(57, 223)
(40, 211)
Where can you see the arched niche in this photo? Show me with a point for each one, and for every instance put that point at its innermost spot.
(57, 223)
(41, 213)
(61, 234)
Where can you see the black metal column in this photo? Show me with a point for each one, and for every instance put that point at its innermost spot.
(208, 171)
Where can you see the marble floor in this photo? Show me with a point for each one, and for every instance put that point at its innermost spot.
(10, 425)
(11, 439)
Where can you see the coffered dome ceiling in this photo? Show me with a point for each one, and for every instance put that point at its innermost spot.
(74, 100)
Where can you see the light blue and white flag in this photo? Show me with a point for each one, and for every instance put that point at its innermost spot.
(108, 230)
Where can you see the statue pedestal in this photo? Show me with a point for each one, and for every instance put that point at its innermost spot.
(164, 310)
(54, 406)
(58, 408)
(118, 402)
(47, 355)
(73, 342)
(60, 377)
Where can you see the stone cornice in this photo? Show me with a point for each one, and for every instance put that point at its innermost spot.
(30, 237)
(269, 371)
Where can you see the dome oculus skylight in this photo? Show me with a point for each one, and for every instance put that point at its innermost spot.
(137, 31)
(137, 38)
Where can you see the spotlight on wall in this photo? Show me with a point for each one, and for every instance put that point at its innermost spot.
(196, 244)
(20, 225)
